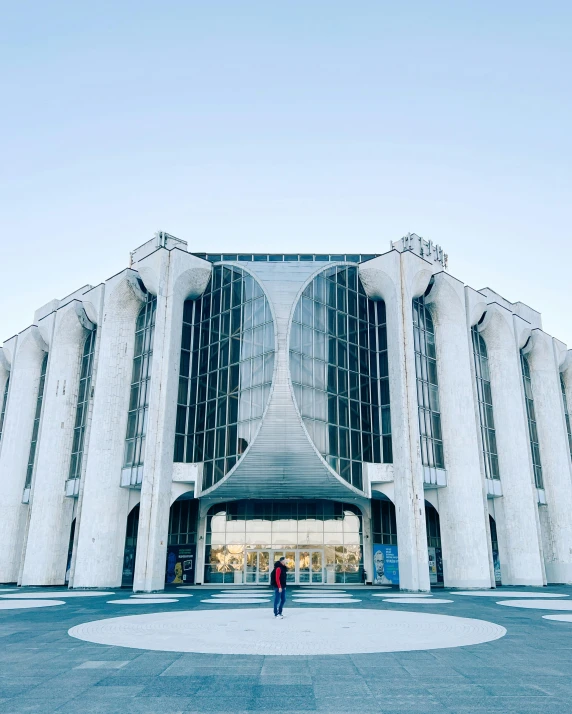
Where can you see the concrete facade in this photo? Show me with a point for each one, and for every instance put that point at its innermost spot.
(53, 531)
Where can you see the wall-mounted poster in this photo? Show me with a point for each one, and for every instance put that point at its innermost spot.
(385, 565)
(180, 565)
(432, 566)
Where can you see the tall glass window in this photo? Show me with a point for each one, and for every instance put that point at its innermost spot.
(227, 361)
(83, 397)
(383, 523)
(427, 386)
(485, 399)
(140, 386)
(566, 415)
(36, 427)
(3, 408)
(339, 370)
(531, 416)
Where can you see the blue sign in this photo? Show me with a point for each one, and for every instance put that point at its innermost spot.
(385, 565)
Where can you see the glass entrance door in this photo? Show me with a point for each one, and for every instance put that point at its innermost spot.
(305, 567)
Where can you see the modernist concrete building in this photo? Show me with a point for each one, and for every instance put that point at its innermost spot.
(368, 416)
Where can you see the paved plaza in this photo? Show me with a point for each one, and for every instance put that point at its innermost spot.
(343, 649)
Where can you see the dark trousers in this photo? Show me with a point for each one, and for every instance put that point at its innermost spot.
(279, 600)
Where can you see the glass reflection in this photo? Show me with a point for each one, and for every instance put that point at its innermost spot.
(321, 540)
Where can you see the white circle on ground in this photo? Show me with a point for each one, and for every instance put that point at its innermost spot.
(324, 600)
(51, 593)
(301, 591)
(504, 593)
(157, 596)
(323, 595)
(538, 604)
(238, 601)
(416, 600)
(560, 618)
(131, 601)
(26, 604)
(312, 631)
(386, 595)
(223, 595)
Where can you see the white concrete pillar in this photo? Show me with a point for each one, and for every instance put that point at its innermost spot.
(397, 278)
(105, 505)
(27, 352)
(516, 510)
(173, 276)
(554, 454)
(566, 372)
(4, 384)
(461, 510)
(51, 512)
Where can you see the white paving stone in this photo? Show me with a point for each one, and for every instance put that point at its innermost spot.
(155, 596)
(560, 618)
(238, 601)
(323, 595)
(501, 593)
(27, 604)
(416, 601)
(59, 593)
(224, 595)
(131, 601)
(324, 600)
(538, 604)
(315, 631)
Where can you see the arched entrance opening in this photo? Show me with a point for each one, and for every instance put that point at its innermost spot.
(495, 550)
(70, 551)
(434, 545)
(321, 541)
(130, 547)
(384, 533)
(182, 543)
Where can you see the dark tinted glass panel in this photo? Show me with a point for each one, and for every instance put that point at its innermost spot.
(532, 431)
(485, 401)
(83, 397)
(36, 426)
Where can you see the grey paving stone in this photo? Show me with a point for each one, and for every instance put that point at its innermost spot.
(102, 664)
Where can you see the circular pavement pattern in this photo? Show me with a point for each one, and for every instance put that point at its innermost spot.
(61, 593)
(157, 596)
(416, 601)
(237, 601)
(501, 593)
(156, 601)
(315, 631)
(27, 604)
(224, 596)
(538, 604)
(560, 618)
(325, 600)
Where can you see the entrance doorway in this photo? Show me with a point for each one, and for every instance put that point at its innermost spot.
(305, 567)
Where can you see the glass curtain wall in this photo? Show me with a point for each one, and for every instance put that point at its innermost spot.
(130, 551)
(427, 386)
(3, 408)
(339, 370)
(83, 397)
(485, 399)
(383, 524)
(227, 361)
(433, 527)
(245, 537)
(182, 543)
(566, 415)
(36, 427)
(531, 417)
(139, 398)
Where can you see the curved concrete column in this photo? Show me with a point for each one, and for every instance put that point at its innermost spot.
(101, 537)
(4, 377)
(398, 278)
(29, 352)
(516, 512)
(46, 550)
(461, 511)
(173, 276)
(554, 455)
(566, 372)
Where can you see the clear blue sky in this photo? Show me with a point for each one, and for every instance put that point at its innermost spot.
(283, 126)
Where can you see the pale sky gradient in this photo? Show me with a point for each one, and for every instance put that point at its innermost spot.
(286, 126)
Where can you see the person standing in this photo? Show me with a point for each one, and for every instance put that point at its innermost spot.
(278, 581)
